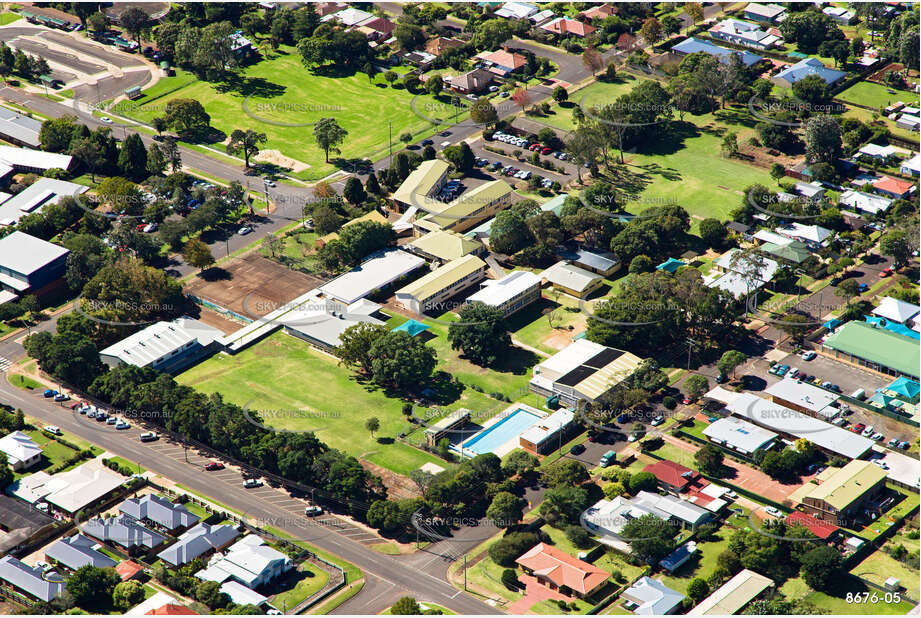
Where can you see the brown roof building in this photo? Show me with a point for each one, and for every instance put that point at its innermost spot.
(559, 571)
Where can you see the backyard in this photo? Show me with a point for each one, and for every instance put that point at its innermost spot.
(835, 601)
(279, 92)
(532, 327)
(297, 586)
(870, 94)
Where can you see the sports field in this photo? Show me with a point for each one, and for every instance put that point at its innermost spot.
(281, 90)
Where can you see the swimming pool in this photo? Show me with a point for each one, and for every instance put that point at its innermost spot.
(501, 432)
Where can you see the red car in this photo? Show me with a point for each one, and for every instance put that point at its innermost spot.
(886, 272)
(545, 150)
(214, 465)
(859, 427)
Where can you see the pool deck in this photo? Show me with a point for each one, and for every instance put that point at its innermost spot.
(512, 443)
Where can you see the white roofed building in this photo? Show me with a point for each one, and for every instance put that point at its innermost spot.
(36, 161)
(39, 194)
(582, 370)
(739, 435)
(804, 397)
(548, 433)
(249, 561)
(378, 271)
(30, 265)
(865, 202)
(21, 450)
(572, 280)
(512, 292)
(165, 346)
(896, 310)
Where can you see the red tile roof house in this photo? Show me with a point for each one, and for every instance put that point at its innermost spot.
(821, 529)
(600, 11)
(564, 26)
(559, 571)
(475, 81)
(672, 476)
(502, 62)
(894, 187)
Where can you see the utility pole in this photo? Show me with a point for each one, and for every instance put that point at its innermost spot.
(465, 572)
(691, 345)
(390, 138)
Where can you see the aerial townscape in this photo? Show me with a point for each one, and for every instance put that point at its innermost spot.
(472, 308)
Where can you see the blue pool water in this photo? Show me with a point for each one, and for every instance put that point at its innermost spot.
(498, 434)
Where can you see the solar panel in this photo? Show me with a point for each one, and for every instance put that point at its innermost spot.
(604, 358)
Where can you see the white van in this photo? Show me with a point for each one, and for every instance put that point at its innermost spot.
(859, 394)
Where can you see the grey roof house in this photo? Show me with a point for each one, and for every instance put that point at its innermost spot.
(124, 531)
(77, 551)
(198, 541)
(29, 580)
(160, 511)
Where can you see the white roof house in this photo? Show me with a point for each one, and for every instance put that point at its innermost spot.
(241, 595)
(547, 427)
(77, 551)
(33, 160)
(249, 561)
(155, 602)
(768, 236)
(732, 596)
(609, 517)
(71, 490)
(571, 277)
(583, 370)
(160, 510)
(42, 192)
(29, 579)
(25, 256)
(378, 271)
(123, 530)
(498, 292)
(349, 17)
(516, 10)
(912, 166)
(197, 541)
(866, 202)
(801, 394)
(765, 272)
(161, 342)
(896, 310)
(876, 151)
(652, 597)
(790, 422)
(20, 449)
(19, 128)
(809, 234)
(739, 434)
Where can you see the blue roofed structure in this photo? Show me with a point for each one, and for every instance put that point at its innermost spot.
(692, 46)
(412, 327)
(671, 265)
(682, 554)
(905, 389)
(895, 327)
(804, 68)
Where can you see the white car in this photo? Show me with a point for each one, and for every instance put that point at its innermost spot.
(881, 464)
(149, 436)
(106, 120)
(243, 231)
(121, 424)
(770, 510)
(268, 183)
(52, 429)
(250, 483)
(808, 356)
(313, 511)
(868, 432)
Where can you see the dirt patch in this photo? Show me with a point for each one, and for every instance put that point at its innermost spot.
(558, 339)
(253, 286)
(276, 158)
(218, 321)
(398, 486)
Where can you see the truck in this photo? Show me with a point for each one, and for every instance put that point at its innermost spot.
(607, 459)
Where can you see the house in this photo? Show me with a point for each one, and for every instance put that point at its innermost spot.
(198, 541)
(865, 202)
(128, 569)
(20, 522)
(249, 561)
(160, 604)
(608, 518)
(241, 595)
(874, 347)
(876, 152)
(814, 236)
(421, 184)
(444, 245)
(571, 279)
(739, 435)
(377, 272)
(373, 216)
(840, 15)
(810, 190)
(795, 425)
(30, 265)
(583, 370)
(502, 62)
(735, 594)
(33, 161)
(165, 346)
(672, 477)
(842, 495)
(650, 597)
(564, 26)
(349, 17)
(77, 551)
(603, 263)
(21, 450)
(429, 292)
(439, 44)
(377, 29)
(804, 397)
(599, 11)
(18, 129)
(739, 277)
(558, 570)
(744, 33)
(465, 211)
(804, 68)
(626, 42)
(693, 45)
(910, 122)
(39, 194)
(894, 187)
(512, 292)
(419, 59)
(792, 251)
(471, 82)
(678, 557)
(548, 433)
(539, 18)
(912, 166)
(892, 309)
(240, 46)
(30, 581)
(160, 511)
(822, 529)
(765, 13)
(516, 10)
(71, 491)
(123, 531)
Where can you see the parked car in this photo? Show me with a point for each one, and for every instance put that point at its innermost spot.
(721, 379)
(886, 272)
(52, 429)
(607, 459)
(427, 142)
(243, 231)
(577, 449)
(313, 511)
(866, 433)
(859, 427)
(623, 418)
(904, 445)
(770, 510)
(840, 421)
(120, 424)
(863, 287)
(794, 371)
(214, 465)
(892, 443)
(49, 393)
(111, 420)
(250, 483)
(783, 370)
(808, 355)
(877, 437)
(881, 464)
(149, 436)
(658, 420)
(61, 397)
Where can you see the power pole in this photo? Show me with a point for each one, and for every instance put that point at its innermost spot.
(691, 345)
(390, 138)
(465, 572)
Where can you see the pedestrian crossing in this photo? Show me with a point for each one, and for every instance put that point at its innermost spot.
(5, 364)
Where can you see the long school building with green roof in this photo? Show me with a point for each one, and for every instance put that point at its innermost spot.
(876, 348)
(429, 292)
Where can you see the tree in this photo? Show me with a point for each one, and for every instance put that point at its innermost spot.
(519, 462)
(610, 72)
(709, 459)
(355, 345)
(713, 232)
(730, 145)
(328, 135)
(591, 60)
(642, 481)
(406, 606)
(372, 186)
(821, 567)
(504, 551)
(811, 89)
(695, 11)
(698, 590)
(133, 20)
(246, 142)
(506, 510)
(156, 160)
(491, 34)
(209, 593)
(372, 425)
(400, 360)
(460, 156)
(565, 472)
(822, 135)
(563, 504)
(509, 232)
(671, 24)
(848, 289)
(650, 538)
(197, 254)
(729, 361)
(481, 333)
(132, 158)
(434, 85)
(651, 30)
(560, 94)
(696, 386)
(483, 112)
(353, 192)
(91, 586)
(127, 594)
(186, 115)
(896, 245)
(6, 473)
(172, 154)
(409, 36)
(98, 21)
(159, 124)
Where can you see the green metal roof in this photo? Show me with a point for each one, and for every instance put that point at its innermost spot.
(794, 252)
(877, 345)
(848, 484)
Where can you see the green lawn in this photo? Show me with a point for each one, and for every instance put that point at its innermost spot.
(678, 455)
(879, 566)
(532, 327)
(124, 463)
(428, 606)
(835, 601)
(594, 95)
(282, 90)
(875, 95)
(702, 566)
(295, 587)
(8, 18)
(307, 390)
(24, 382)
(866, 116)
